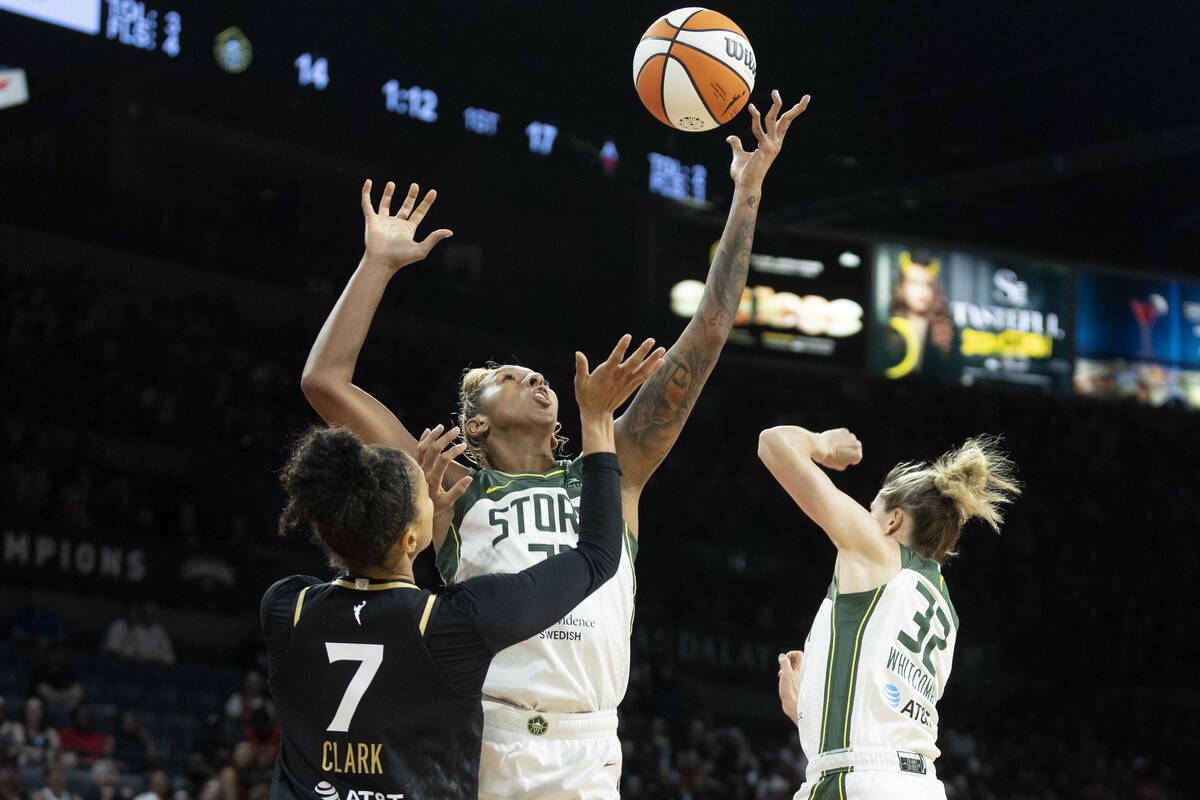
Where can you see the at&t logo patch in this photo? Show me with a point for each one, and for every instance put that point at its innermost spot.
(325, 791)
(891, 695)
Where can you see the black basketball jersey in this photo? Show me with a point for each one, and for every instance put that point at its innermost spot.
(354, 645)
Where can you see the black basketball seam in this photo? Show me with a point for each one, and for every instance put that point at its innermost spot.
(661, 83)
(703, 102)
(714, 58)
(699, 94)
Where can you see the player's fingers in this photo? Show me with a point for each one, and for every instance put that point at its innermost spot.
(368, 209)
(651, 364)
(773, 111)
(794, 656)
(385, 202)
(429, 242)
(434, 476)
(638, 356)
(756, 123)
(619, 351)
(445, 439)
(410, 200)
(456, 491)
(423, 209)
(736, 145)
(785, 121)
(581, 367)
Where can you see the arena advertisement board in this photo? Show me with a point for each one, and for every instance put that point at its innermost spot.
(969, 318)
(804, 297)
(1138, 338)
(1128, 317)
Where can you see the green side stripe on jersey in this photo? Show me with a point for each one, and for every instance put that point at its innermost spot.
(449, 559)
(831, 785)
(848, 620)
(631, 548)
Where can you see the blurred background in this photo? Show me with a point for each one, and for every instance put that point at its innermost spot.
(986, 221)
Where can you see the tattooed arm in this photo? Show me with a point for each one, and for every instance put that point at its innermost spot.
(647, 430)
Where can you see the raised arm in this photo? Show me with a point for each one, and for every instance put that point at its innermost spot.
(327, 381)
(647, 430)
(792, 455)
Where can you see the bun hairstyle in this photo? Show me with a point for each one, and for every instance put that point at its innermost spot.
(964, 484)
(355, 499)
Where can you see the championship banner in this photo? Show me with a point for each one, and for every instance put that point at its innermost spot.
(967, 318)
(123, 567)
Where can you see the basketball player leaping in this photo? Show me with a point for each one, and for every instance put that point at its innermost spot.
(550, 702)
(864, 692)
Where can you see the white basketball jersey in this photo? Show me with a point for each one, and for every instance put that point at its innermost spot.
(506, 522)
(876, 663)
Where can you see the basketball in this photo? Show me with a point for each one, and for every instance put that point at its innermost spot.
(694, 69)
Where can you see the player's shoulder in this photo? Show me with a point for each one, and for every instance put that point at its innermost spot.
(286, 590)
(929, 570)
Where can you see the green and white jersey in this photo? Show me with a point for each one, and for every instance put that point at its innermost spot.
(876, 663)
(506, 522)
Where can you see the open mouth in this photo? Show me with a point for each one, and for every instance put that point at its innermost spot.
(542, 396)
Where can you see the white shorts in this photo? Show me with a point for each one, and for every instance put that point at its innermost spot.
(874, 774)
(537, 754)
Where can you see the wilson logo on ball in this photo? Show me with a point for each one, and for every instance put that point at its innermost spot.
(694, 69)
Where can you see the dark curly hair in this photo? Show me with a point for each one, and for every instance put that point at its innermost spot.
(355, 499)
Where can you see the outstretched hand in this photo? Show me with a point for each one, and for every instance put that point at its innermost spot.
(603, 391)
(749, 169)
(392, 237)
(434, 456)
(840, 449)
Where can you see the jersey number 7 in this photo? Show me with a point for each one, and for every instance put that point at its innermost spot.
(370, 656)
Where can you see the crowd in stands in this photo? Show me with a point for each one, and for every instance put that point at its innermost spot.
(1076, 656)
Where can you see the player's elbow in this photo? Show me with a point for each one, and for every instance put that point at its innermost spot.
(319, 389)
(769, 442)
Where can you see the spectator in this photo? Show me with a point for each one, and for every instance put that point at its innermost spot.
(41, 742)
(36, 623)
(54, 681)
(158, 786)
(139, 636)
(208, 751)
(242, 704)
(12, 734)
(106, 782)
(10, 788)
(239, 776)
(81, 743)
(263, 735)
(133, 747)
(56, 785)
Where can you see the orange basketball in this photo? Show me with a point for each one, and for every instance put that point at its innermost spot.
(694, 69)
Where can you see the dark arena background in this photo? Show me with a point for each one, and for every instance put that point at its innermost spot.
(179, 209)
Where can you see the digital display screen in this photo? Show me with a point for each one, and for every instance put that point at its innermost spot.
(79, 15)
(1138, 338)
(970, 318)
(804, 297)
(1149, 382)
(1129, 317)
